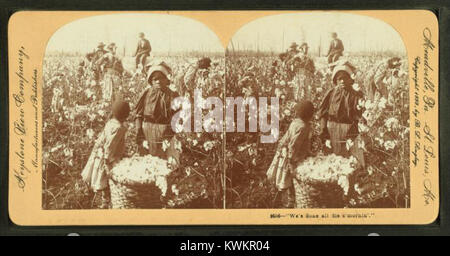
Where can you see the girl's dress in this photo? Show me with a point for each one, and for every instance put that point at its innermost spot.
(292, 149)
(57, 100)
(108, 149)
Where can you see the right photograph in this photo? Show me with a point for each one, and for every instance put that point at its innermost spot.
(317, 113)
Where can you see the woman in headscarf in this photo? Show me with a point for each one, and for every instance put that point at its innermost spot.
(154, 112)
(339, 113)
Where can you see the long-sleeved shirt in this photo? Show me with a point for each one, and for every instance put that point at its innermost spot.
(302, 62)
(143, 47)
(95, 55)
(375, 79)
(111, 61)
(336, 46)
(155, 105)
(340, 105)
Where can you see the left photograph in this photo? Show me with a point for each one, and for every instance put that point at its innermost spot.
(125, 120)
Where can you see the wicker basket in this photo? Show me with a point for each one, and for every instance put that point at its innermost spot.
(132, 196)
(318, 194)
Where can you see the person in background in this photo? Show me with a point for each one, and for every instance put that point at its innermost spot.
(113, 69)
(376, 82)
(153, 112)
(186, 82)
(108, 149)
(143, 50)
(293, 148)
(292, 51)
(58, 85)
(336, 48)
(249, 83)
(302, 60)
(274, 70)
(93, 57)
(80, 71)
(302, 65)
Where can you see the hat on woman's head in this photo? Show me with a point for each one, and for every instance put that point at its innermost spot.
(161, 67)
(305, 110)
(343, 67)
(120, 109)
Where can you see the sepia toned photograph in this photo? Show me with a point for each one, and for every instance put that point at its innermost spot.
(223, 117)
(316, 114)
(339, 84)
(110, 83)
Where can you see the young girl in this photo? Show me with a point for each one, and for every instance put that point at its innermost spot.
(292, 149)
(108, 150)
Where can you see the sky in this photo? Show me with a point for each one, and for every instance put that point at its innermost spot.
(275, 33)
(358, 33)
(165, 32)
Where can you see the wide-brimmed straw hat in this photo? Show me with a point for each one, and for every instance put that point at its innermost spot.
(294, 45)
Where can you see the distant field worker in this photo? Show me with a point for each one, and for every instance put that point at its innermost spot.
(108, 149)
(304, 69)
(377, 77)
(58, 92)
(336, 49)
(113, 69)
(154, 113)
(93, 58)
(186, 82)
(143, 50)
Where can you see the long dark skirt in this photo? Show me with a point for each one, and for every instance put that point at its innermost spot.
(339, 134)
(156, 134)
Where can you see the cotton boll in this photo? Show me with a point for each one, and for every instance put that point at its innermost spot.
(328, 144)
(145, 144)
(348, 144)
(165, 145)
